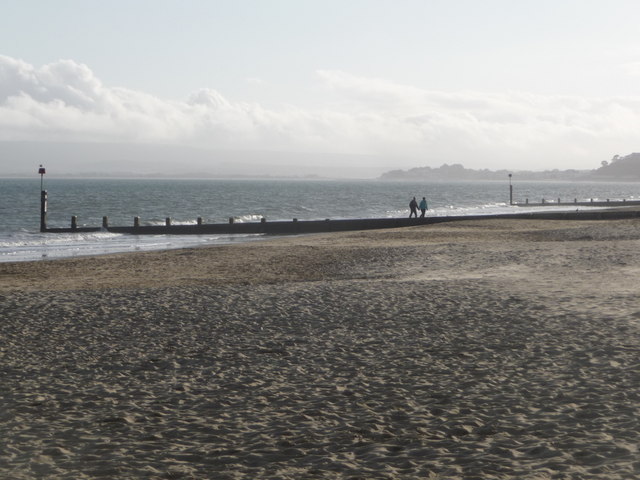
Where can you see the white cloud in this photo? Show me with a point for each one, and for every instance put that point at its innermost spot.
(404, 125)
(513, 129)
(631, 68)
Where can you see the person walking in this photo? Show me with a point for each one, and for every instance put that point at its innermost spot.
(413, 206)
(423, 207)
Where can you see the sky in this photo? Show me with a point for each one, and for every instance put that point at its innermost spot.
(377, 84)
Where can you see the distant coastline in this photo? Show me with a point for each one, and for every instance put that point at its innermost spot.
(619, 168)
(19, 159)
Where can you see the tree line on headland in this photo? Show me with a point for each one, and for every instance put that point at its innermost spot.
(619, 168)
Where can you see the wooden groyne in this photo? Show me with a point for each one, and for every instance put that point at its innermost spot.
(263, 227)
(576, 203)
(294, 226)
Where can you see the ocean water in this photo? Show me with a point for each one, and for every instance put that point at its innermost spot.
(153, 200)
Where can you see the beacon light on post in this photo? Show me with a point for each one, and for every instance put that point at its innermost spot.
(41, 172)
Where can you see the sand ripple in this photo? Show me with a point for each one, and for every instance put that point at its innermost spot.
(320, 380)
(481, 350)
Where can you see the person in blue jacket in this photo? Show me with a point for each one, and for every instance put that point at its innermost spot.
(423, 206)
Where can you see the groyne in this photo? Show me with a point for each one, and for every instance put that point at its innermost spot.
(576, 203)
(318, 226)
(295, 226)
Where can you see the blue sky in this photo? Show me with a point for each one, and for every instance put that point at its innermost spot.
(493, 83)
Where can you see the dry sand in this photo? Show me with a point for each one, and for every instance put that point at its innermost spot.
(492, 349)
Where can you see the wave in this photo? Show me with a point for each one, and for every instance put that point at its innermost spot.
(14, 248)
(252, 217)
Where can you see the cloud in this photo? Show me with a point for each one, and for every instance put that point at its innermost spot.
(400, 125)
(509, 129)
(631, 69)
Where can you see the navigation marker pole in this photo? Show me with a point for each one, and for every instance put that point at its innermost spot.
(43, 201)
(510, 190)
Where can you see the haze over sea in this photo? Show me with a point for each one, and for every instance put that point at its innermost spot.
(153, 200)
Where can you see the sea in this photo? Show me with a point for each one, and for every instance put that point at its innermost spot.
(244, 200)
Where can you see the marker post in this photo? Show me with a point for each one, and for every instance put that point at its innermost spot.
(43, 201)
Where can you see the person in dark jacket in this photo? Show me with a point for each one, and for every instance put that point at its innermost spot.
(413, 206)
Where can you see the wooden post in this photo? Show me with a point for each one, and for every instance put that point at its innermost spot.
(199, 221)
(43, 201)
(167, 221)
(263, 220)
(136, 222)
(230, 220)
(74, 222)
(43, 210)
(105, 222)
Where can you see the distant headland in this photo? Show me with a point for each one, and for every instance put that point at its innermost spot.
(619, 168)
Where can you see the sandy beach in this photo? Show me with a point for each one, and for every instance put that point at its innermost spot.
(481, 349)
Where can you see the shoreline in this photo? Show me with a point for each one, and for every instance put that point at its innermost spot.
(239, 230)
(257, 261)
(46, 246)
(492, 348)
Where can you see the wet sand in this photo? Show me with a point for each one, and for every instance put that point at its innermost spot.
(484, 349)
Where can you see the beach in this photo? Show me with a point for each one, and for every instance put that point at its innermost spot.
(477, 349)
